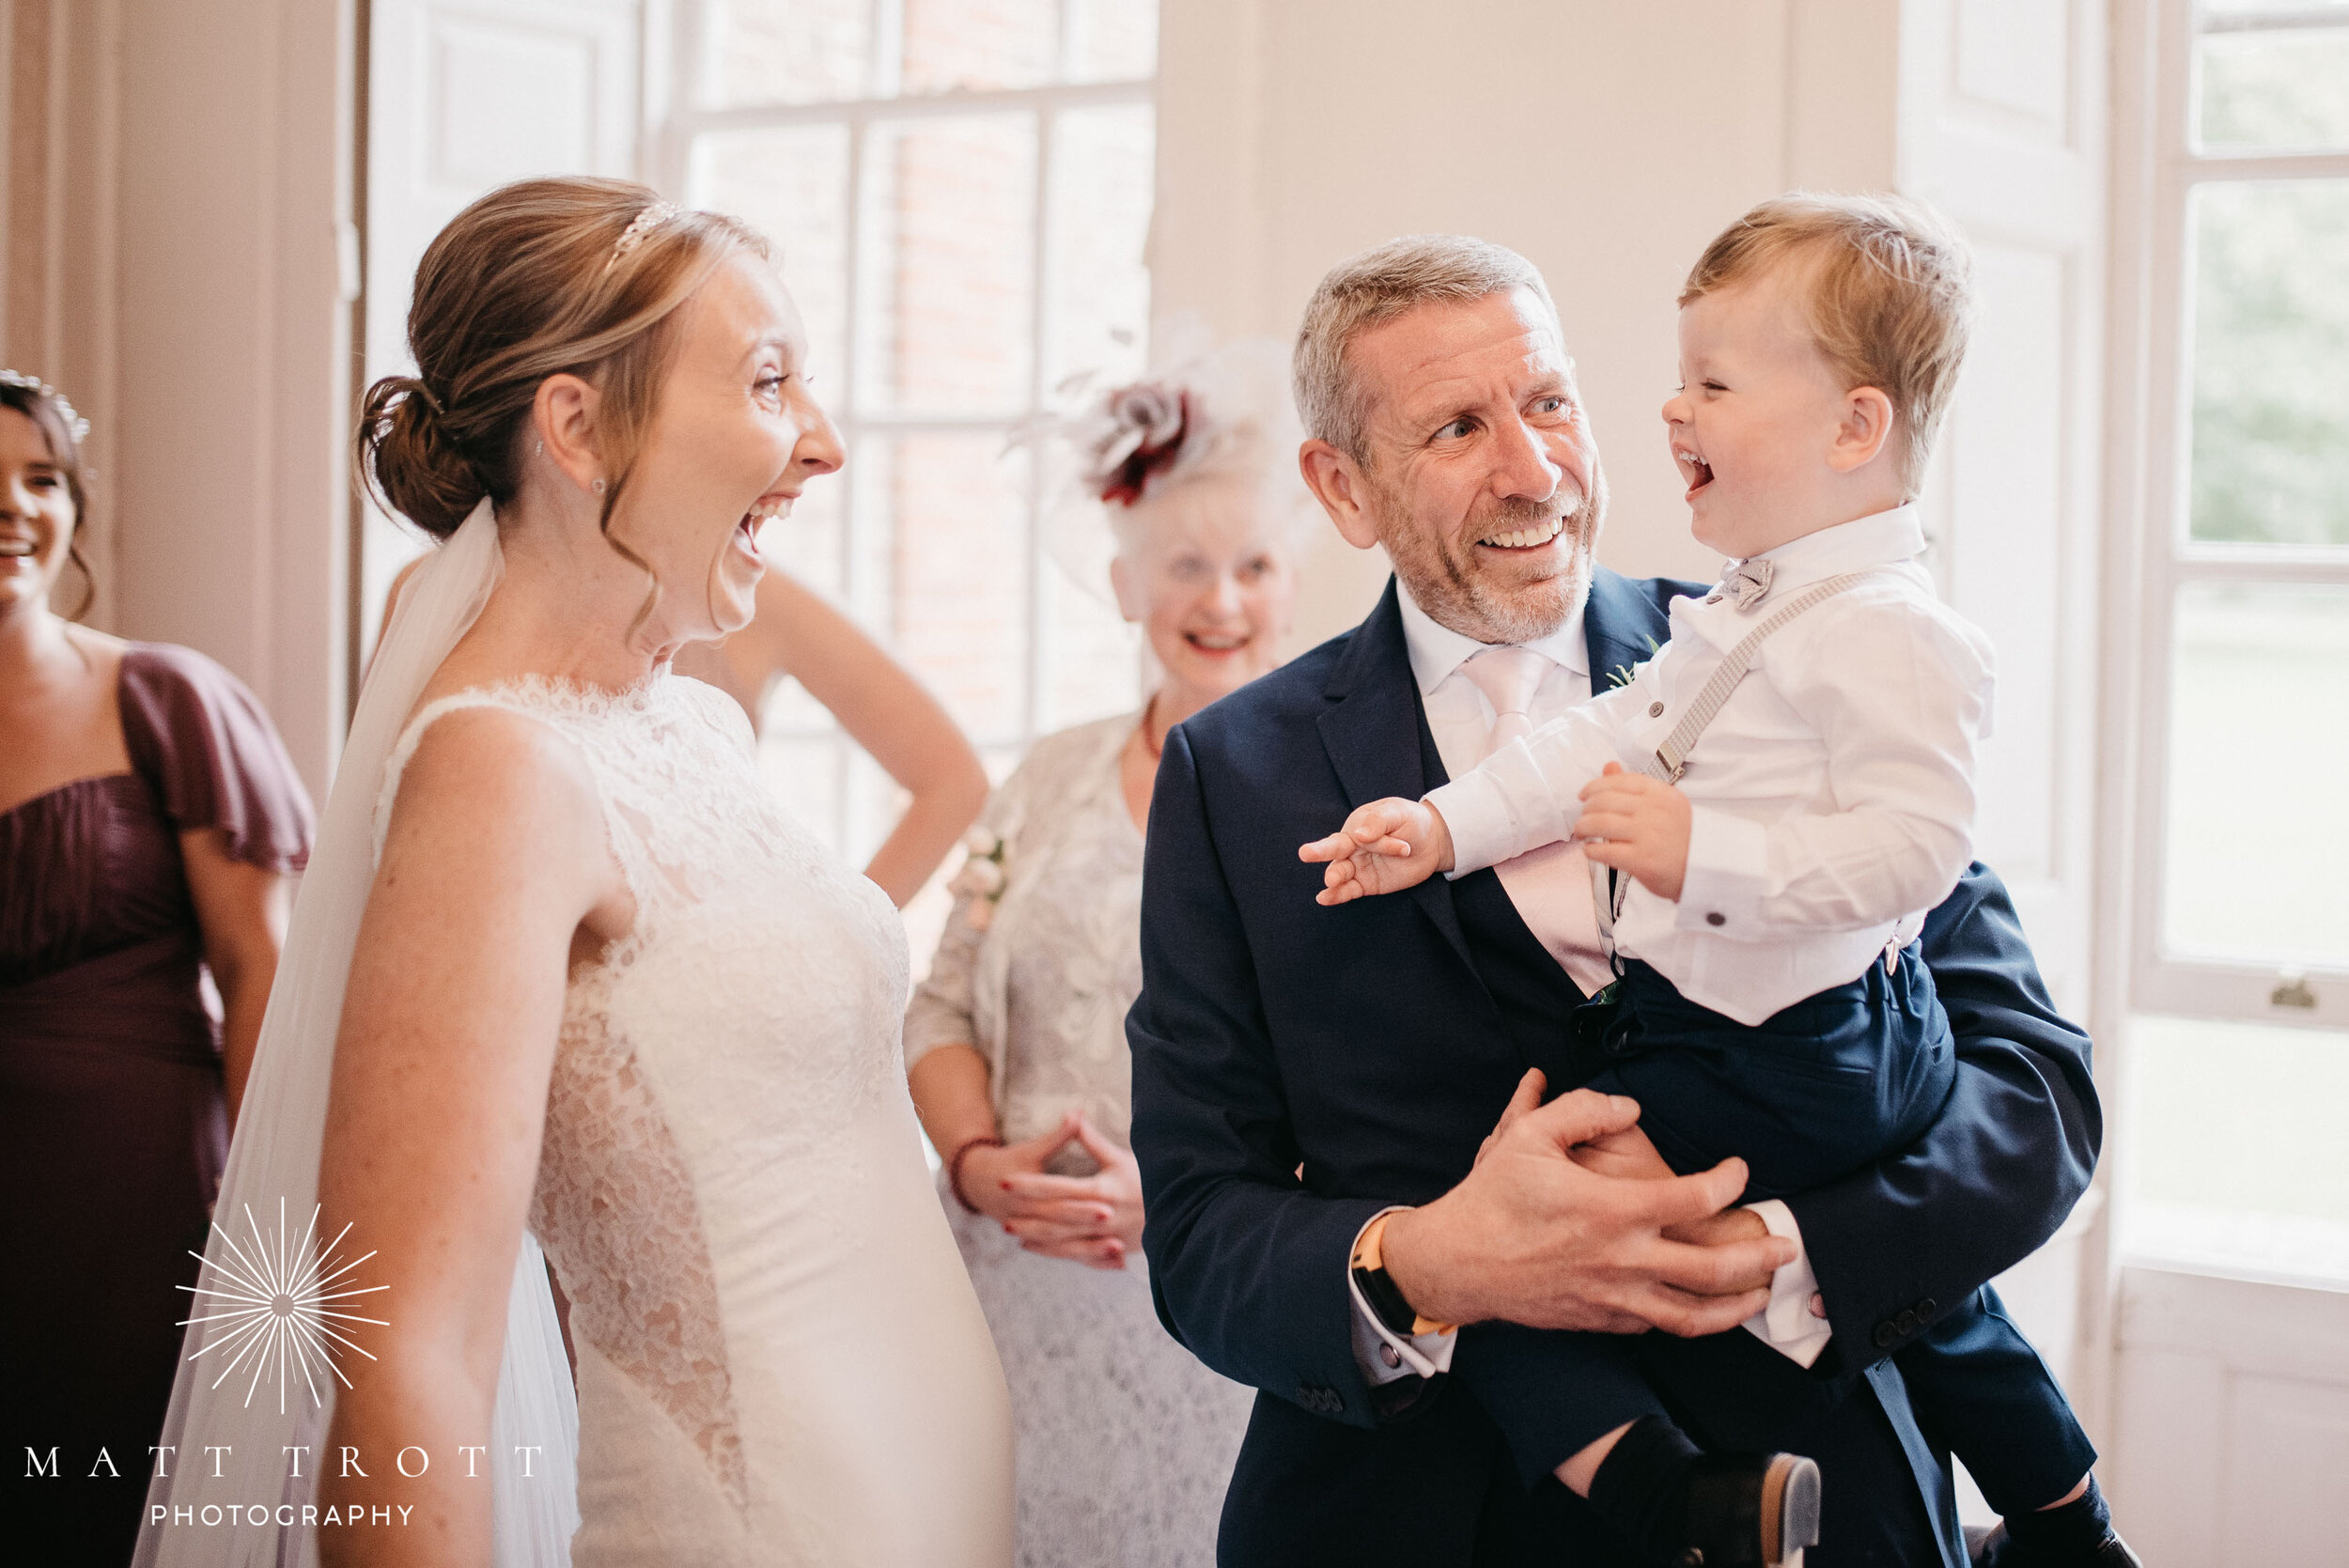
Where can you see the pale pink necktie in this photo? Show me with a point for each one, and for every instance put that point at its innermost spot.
(1551, 886)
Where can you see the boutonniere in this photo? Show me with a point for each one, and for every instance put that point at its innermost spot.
(1621, 675)
(981, 878)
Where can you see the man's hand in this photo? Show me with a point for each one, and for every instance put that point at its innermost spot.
(1637, 825)
(1385, 846)
(1533, 1237)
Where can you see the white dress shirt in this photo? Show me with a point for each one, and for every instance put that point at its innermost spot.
(1461, 720)
(1832, 796)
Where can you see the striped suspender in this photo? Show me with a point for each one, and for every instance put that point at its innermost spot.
(1671, 758)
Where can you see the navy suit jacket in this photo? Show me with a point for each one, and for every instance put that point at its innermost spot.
(1296, 1069)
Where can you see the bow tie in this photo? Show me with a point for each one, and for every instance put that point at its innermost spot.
(1748, 581)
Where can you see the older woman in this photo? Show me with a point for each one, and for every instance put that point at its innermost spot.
(150, 825)
(1016, 1043)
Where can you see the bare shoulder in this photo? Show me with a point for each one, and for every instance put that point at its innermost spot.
(497, 794)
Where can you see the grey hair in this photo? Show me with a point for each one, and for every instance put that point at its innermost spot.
(1376, 287)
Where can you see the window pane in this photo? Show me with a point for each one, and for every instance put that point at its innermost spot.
(947, 266)
(2275, 90)
(2271, 361)
(979, 44)
(1099, 289)
(1113, 40)
(2257, 857)
(958, 567)
(793, 185)
(2236, 1157)
(786, 50)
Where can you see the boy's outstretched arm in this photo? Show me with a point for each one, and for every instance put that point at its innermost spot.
(1385, 846)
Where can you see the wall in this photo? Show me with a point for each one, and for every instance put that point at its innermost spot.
(179, 260)
(1606, 142)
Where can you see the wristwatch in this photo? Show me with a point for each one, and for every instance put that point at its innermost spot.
(1379, 1292)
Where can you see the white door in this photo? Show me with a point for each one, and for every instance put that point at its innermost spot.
(2002, 127)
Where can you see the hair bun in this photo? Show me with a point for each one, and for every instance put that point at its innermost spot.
(412, 462)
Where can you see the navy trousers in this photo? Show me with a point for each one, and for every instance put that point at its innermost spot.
(1831, 1085)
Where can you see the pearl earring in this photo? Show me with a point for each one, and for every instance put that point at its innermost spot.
(542, 449)
(597, 487)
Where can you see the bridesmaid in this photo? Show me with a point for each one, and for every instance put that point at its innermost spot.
(1017, 1041)
(150, 828)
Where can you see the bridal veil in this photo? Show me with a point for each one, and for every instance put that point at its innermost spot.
(227, 1494)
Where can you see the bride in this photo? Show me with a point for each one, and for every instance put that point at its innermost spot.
(602, 996)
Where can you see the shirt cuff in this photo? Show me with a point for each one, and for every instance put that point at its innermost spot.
(1787, 1324)
(1383, 1355)
(1476, 814)
(1728, 874)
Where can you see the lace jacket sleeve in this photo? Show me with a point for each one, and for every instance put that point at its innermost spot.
(944, 1009)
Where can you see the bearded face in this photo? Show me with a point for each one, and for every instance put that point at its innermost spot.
(1480, 476)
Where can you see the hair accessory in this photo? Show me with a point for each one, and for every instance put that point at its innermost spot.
(1146, 424)
(18, 381)
(633, 235)
(423, 394)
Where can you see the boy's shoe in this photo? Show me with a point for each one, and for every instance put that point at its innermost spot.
(2000, 1550)
(1748, 1511)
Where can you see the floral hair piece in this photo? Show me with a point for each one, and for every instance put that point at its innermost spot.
(19, 381)
(1142, 430)
(652, 217)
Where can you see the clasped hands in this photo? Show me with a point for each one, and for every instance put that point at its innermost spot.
(1571, 1220)
(1094, 1219)
(1630, 821)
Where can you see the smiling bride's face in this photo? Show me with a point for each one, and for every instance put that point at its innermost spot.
(735, 438)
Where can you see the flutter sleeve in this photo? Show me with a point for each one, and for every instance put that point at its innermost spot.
(201, 738)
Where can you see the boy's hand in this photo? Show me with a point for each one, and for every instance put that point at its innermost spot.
(1637, 825)
(1385, 846)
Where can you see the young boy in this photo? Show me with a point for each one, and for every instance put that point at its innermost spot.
(1779, 796)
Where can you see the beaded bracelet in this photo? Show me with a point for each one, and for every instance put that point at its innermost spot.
(954, 1167)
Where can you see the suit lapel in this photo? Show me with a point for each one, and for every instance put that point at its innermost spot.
(1373, 734)
(1617, 625)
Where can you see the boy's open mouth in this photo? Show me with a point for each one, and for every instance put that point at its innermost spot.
(1695, 469)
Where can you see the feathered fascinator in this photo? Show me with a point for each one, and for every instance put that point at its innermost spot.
(1109, 445)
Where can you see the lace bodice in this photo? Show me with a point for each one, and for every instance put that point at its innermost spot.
(721, 1059)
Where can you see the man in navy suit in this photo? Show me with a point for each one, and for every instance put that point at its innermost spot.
(1300, 1072)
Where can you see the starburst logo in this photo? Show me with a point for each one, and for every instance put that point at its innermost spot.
(281, 1300)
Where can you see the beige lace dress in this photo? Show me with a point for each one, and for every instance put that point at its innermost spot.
(1126, 1440)
(780, 1361)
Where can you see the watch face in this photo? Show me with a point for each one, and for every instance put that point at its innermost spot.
(1379, 1291)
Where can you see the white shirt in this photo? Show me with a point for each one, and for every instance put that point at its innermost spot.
(1833, 794)
(1460, 719)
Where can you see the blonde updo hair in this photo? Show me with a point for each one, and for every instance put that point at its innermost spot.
(533, 280)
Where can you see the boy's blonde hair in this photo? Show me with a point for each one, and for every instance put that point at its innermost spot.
(1891, 298)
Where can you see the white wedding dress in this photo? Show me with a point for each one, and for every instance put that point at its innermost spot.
(780, 1358)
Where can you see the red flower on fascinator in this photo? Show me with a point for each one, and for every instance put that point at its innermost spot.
(1148, 422)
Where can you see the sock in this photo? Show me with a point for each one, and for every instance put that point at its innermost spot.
(2059, 1534)
(1639, 1485)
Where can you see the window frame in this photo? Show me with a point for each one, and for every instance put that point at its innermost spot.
(675, 38)
(2164, 980)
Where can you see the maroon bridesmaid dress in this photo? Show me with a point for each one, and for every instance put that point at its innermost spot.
(112, 1112)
